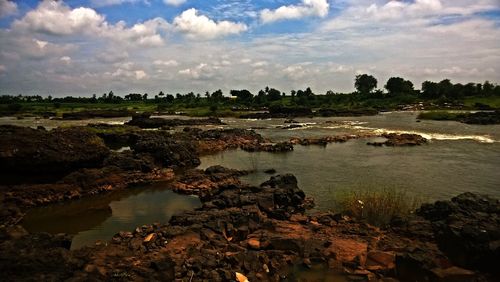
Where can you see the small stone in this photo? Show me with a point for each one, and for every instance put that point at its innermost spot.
(150, 237)
(254, 243)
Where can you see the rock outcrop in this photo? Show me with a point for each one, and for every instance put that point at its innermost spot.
(149, 122)
(397, 140)
(467, 229)
(34, 151)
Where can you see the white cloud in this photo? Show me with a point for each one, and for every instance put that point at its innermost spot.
(56, 18)
(140, 74)
(306, 9)
(65, 59)
(169, 63)
(3, 69)
(7, 8)
(174, 2)
(201, 71)
(260, 64)
(201, 27)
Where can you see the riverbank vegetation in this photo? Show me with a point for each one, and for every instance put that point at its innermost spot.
(377, 206)
(397, 94)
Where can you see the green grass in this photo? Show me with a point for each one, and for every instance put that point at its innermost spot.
(377, 206)
(493, 101)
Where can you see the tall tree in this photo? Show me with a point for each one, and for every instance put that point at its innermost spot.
(365, 83)
(397, 86)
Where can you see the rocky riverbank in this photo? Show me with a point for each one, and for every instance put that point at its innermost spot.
(262, 232)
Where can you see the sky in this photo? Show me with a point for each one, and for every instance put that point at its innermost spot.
(82, 47)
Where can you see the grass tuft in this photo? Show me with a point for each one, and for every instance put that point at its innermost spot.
(379, 206)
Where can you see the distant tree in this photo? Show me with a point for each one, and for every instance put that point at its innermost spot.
(445, 88)
(243, 95)
(169, 98)
(217, 95)
(397, 86)
(161, 94)
(273, 94)
(145, 96)
(430, 90)
(487, 88)
(365, 83)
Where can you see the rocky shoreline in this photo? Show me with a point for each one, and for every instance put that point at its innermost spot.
(261, 232)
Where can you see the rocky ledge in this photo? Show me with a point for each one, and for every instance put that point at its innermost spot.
(263, 234)
(145, 121)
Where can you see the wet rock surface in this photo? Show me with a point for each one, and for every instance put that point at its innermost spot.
(323, 141)
(143, 121)
(397, 140)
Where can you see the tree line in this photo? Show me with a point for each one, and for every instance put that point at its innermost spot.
(366, 89)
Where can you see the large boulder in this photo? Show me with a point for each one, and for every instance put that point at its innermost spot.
(467, 229)
(167, 151)
(37, 151)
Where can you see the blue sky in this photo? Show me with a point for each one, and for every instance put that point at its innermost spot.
(89, 46)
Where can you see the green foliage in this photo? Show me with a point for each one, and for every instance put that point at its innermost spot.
(398, 86)
(365, 83)
(378, 206)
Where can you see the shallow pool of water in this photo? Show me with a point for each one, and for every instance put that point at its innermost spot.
(100, 217)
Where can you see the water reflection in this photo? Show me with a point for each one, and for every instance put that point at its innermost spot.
(99, 218)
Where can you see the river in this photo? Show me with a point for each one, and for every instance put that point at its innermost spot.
(458, 158)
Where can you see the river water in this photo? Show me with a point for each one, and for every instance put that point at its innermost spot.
(458, 158)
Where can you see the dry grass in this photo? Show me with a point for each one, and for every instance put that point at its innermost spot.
(378, 206)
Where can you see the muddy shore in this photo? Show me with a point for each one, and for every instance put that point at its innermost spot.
(262, 232)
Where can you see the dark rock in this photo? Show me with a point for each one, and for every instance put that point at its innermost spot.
(467, 230)
(130, 161)
(30, 151)
(270, 171)
(167, 151)
(394, 139)
(96, 114)
(148, 122)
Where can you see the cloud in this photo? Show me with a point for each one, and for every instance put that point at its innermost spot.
(57, 19)
(174, 2)
(306, 9)
(201, 27)
(169, 63)
(202, 72)
(7, 8)
(65, 59)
